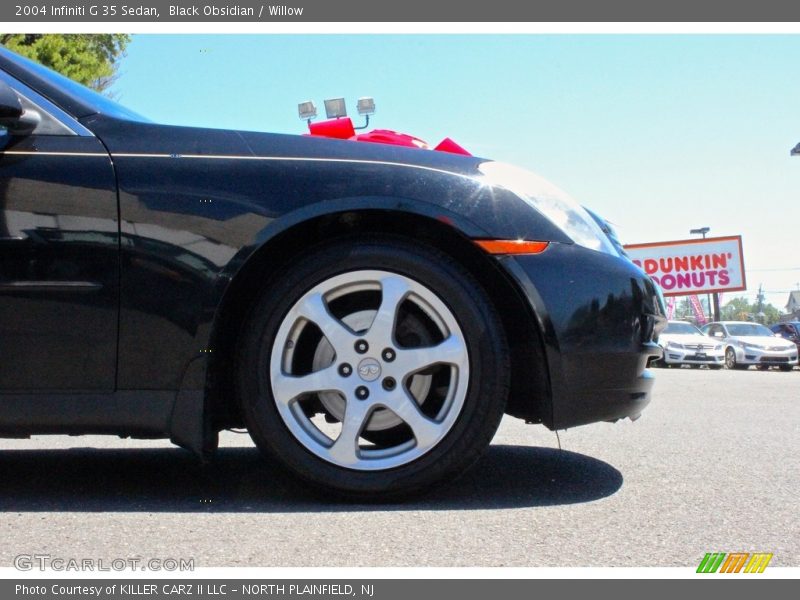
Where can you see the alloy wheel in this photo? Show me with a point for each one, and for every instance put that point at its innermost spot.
(730, 358)
(385, 353)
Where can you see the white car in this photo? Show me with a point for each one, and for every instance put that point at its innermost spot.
(685, 344)
(752, 344)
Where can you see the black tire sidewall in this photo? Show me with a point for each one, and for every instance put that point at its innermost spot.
(489, 378)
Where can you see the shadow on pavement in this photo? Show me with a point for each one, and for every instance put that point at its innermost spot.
(239, 480)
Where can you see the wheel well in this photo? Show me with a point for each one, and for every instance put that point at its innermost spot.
(530, 385)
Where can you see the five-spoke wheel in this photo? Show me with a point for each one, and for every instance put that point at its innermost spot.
(367, 372)
(374, 368)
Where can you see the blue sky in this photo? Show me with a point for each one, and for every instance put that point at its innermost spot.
(660, 134)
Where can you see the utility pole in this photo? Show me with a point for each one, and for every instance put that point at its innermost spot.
(760, 303)
(715, 315)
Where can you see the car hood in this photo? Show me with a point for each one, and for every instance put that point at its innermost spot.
(763, 340)
(122, 136)
(685, 338)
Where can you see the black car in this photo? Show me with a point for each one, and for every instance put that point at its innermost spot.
(368, 312)
(789, 330)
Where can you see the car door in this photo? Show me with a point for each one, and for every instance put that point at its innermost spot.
(59, 255)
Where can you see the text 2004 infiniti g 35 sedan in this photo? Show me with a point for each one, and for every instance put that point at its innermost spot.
(367, 311)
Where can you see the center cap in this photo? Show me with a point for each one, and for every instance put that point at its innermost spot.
(369, 369)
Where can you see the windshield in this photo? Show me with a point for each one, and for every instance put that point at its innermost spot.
(100, 103)
(748, 329)
(682, 328)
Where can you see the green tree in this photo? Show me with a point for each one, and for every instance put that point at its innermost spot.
(683, 309)
(771, 315)
(739, 309)
(90, 59)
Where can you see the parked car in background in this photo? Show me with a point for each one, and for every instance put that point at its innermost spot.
(685, 344)
(788, 331)
(752, 344)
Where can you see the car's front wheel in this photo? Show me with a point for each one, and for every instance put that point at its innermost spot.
(374, 368)
(730, 360)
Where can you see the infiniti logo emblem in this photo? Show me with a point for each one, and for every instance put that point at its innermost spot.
(369, 369)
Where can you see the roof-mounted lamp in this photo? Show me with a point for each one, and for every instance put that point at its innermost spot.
(365, 107)
(307, 111)
(335, 108)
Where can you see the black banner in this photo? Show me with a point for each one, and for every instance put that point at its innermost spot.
(368, 589)
(256, 11)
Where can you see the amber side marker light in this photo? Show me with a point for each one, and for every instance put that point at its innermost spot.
(512, 246)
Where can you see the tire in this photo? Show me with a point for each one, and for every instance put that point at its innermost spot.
(715, 367)
(786, 368)
(762, 367)
(730, 360)
(445, 376)
(695, 366)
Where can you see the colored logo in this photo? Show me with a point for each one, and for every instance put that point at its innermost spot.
(734, 562)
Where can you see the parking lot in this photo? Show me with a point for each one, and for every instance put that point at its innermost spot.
(712, 465)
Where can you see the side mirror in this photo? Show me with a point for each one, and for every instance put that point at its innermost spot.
(15, 119)
(10, 106)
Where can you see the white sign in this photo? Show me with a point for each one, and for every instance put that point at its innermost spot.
(693, 266)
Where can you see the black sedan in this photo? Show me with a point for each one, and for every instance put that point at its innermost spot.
(368, 312)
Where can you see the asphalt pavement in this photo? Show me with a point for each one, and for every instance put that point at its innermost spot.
(712, 466)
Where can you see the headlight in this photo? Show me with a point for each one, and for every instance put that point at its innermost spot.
(553, 203)
(752, 346)
(675, 345)
(718, 347)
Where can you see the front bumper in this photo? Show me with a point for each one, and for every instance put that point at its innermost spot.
(598, 315)
(755, 356)
(693, 356)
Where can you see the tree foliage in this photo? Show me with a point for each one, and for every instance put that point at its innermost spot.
(90, 59)
(739, 309)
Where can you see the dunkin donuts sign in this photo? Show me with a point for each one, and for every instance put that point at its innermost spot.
(693, 266)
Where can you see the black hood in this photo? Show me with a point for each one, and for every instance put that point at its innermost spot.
(123, 136)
